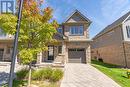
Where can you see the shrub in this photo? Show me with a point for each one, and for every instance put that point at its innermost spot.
(22, 74)
(41, 74)
(47, 73)
(56, 75)
(37, 75)
(128, 73)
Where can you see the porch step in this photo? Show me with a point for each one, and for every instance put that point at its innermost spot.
(43, 65)
(56, 64)
(5, 63)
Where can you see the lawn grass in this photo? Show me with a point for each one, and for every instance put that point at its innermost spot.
(117, 74)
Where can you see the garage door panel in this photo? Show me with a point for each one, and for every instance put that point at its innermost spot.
(76, 55)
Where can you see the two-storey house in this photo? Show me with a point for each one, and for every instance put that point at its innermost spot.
(73, 43)
(112, 44)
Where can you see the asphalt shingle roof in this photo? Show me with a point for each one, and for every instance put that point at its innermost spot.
(114, 24)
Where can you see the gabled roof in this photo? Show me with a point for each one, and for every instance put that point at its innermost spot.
(114, 24)
(76, 11)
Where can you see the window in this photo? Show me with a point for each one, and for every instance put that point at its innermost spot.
(72, 49)
(76, 49)
(2, 34)
(128, 31)
(80, 49)
(59, 49)
(60, 30)
(76, 30)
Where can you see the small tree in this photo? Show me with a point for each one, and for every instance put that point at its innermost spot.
(36, 30)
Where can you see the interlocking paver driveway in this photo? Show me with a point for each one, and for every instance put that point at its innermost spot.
(84, 75)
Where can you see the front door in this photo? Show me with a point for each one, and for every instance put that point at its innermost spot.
(50, 52)
(1, 54)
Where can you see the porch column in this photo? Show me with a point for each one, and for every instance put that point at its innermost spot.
(4, 53)
(63, 48)
(16, 59)
(88, 54)
(39, 58)
(64, 51)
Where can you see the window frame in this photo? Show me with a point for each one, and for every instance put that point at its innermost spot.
(59, 49)
(60, 28)
(76, 30)
(128, 31)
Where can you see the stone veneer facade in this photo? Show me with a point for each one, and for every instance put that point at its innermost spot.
(65, 40)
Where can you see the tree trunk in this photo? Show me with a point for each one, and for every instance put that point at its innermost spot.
(29, 76)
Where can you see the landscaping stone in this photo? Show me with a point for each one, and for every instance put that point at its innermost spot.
(4, 73)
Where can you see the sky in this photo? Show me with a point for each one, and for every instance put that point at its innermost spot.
(100, 12)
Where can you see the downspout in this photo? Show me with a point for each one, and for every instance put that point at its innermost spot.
(126, 66)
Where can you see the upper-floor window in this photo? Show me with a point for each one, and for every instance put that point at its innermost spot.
(128, 31)
(2, 34)
(60, 30)
(76, 30)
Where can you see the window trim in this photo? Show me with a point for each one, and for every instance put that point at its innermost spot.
(60, 49)
(60, 28)
(76, 49)
(128, 31)
(70, 34)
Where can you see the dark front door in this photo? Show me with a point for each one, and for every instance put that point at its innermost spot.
(1, 54)
(50, 52)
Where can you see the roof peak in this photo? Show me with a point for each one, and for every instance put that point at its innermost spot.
(76, 10)
(118, 21)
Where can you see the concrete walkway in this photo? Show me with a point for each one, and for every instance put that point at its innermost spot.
(84, 75)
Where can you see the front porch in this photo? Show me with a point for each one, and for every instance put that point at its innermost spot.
(54, 56)
(5, 50)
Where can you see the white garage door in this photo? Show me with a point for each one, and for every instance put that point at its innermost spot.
(76, 56)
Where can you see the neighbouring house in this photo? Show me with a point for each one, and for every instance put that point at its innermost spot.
(112, 44)
(73, 43)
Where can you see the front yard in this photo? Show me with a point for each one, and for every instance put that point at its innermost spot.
(42, 77)
(117, 74)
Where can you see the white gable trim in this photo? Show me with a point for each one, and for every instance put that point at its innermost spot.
(126, 19)
(79, 14)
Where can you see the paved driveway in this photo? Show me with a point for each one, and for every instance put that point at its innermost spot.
(84, 75)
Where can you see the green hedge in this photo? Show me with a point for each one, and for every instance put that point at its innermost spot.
(41, 74)
(22, 74)
(56, 75)
(47, 74)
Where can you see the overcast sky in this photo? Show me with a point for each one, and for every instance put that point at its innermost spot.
(100, 12)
